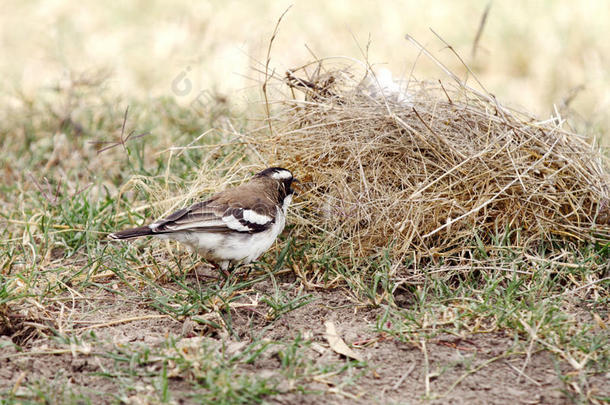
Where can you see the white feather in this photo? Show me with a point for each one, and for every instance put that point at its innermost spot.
(383, 85)
(281, 175)
(256, 218)
(234, 224)
(286, 203)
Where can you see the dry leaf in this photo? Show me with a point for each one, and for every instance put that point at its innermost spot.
(600, 322)
(337, 344)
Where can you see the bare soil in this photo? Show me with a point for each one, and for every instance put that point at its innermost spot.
(469, 369)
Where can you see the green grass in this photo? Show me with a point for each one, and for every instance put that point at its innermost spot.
(206, 373)
(83, 320)
(61, 280)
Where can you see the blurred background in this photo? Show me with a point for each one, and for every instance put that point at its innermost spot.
(534, 55)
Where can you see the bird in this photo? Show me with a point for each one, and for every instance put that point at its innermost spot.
(235, 225)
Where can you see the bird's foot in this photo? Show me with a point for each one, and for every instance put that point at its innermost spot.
(206, 271)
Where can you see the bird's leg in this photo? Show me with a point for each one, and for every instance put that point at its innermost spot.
(224, 268)
(205, 274)
(226, 273)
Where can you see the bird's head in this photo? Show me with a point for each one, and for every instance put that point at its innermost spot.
(283, 178)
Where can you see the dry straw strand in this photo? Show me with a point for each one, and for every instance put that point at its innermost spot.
(423, 173)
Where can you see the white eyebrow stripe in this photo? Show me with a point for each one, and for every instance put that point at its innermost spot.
(234, 224)
(256, 218)
(282, 175)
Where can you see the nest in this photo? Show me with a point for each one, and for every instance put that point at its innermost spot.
(431, 168)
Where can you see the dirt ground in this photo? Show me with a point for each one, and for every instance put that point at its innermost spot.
(471, 369)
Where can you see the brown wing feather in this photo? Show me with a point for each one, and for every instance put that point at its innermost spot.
(215, 214)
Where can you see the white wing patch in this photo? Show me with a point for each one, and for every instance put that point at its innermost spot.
(234, 224)
(256, 218)
(281, 175)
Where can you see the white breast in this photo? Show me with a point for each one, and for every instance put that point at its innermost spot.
(260, 242)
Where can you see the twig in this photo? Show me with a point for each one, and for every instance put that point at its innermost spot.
(48, 194)
(477, 37)
(341, 393)
(122, 141)
(528, 355)
(125, 320)
(476, 369)
(457, 55)
(438, 137)
(426, 368)
(554, 262)
(486, 96)
(522, 373)
(404, 376)
(580, 288)
(445, 91)
(43, 353)
(18, 382)
(275, 31)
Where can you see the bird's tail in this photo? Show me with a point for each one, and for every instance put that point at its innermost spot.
(132, 233)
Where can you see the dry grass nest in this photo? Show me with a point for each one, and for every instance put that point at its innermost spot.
(433, 170)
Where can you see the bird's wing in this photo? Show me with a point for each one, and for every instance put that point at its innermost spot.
(234, 210)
